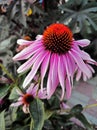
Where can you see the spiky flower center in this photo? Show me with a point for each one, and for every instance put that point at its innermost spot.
(57, 38)
(27, 98)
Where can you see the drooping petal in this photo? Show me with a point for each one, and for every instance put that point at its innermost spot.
(68, 79)
(52, 81)
(49, 86)
(66, 65)
(42, 94)
(39, 37)
(29, 62)
(27, 52)
(92, 70)
(54, 69)
(68, 88)
(78, 74)
(75, 55)
(26, 65)
(71, 64)
(44, 68)
(34, 69)
(84, 77)
(24, 42)
(61, 75)
(82, 43)
(87, 57)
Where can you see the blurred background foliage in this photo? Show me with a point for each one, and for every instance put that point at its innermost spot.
(25, 19)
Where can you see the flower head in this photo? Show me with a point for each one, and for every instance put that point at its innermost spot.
(57, 53)
(57, 38)
(28, 97)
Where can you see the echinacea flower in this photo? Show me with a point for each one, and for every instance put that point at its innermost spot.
(31, 93)
(57, 53)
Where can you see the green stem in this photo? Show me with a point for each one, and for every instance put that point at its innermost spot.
(90, 106)
(6, 71)
(84, 108)
(31, 125)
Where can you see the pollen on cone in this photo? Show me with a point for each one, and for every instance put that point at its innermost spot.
(57, 38)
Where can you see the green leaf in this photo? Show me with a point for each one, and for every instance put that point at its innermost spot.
(4, 27)
(48, 114)
(20, 127)
(37, 113)
(76, 13)
(4, 90)
(13, 94)
(2, 121)
(13, 113)
(48, 125)
(7, 72)
(85, 122)
(76, 109)
(54, 102)
(23, 16)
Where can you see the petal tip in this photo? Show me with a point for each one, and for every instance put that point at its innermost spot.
(19, 41)
(14, 58)
(88, 41)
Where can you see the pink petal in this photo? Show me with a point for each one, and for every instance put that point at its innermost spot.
(28, 51)
(30, 62)
(34, 90)
(92, 70)
(71, 64)
(82, 43)
(29, 90)
(16, 104)
(61, 74)
(39, 37)
(25, 108)
(87, 57)
(26, 65)
(35, 67)
(24, 42)
(80, 62)
(20, 99)
(78, 75)
(84, 77)
(42, 94)
(54, 69)
(66, 65)
(44, 68)
(63, 105)
(52, 81)
(49, 86)
(68, 88)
